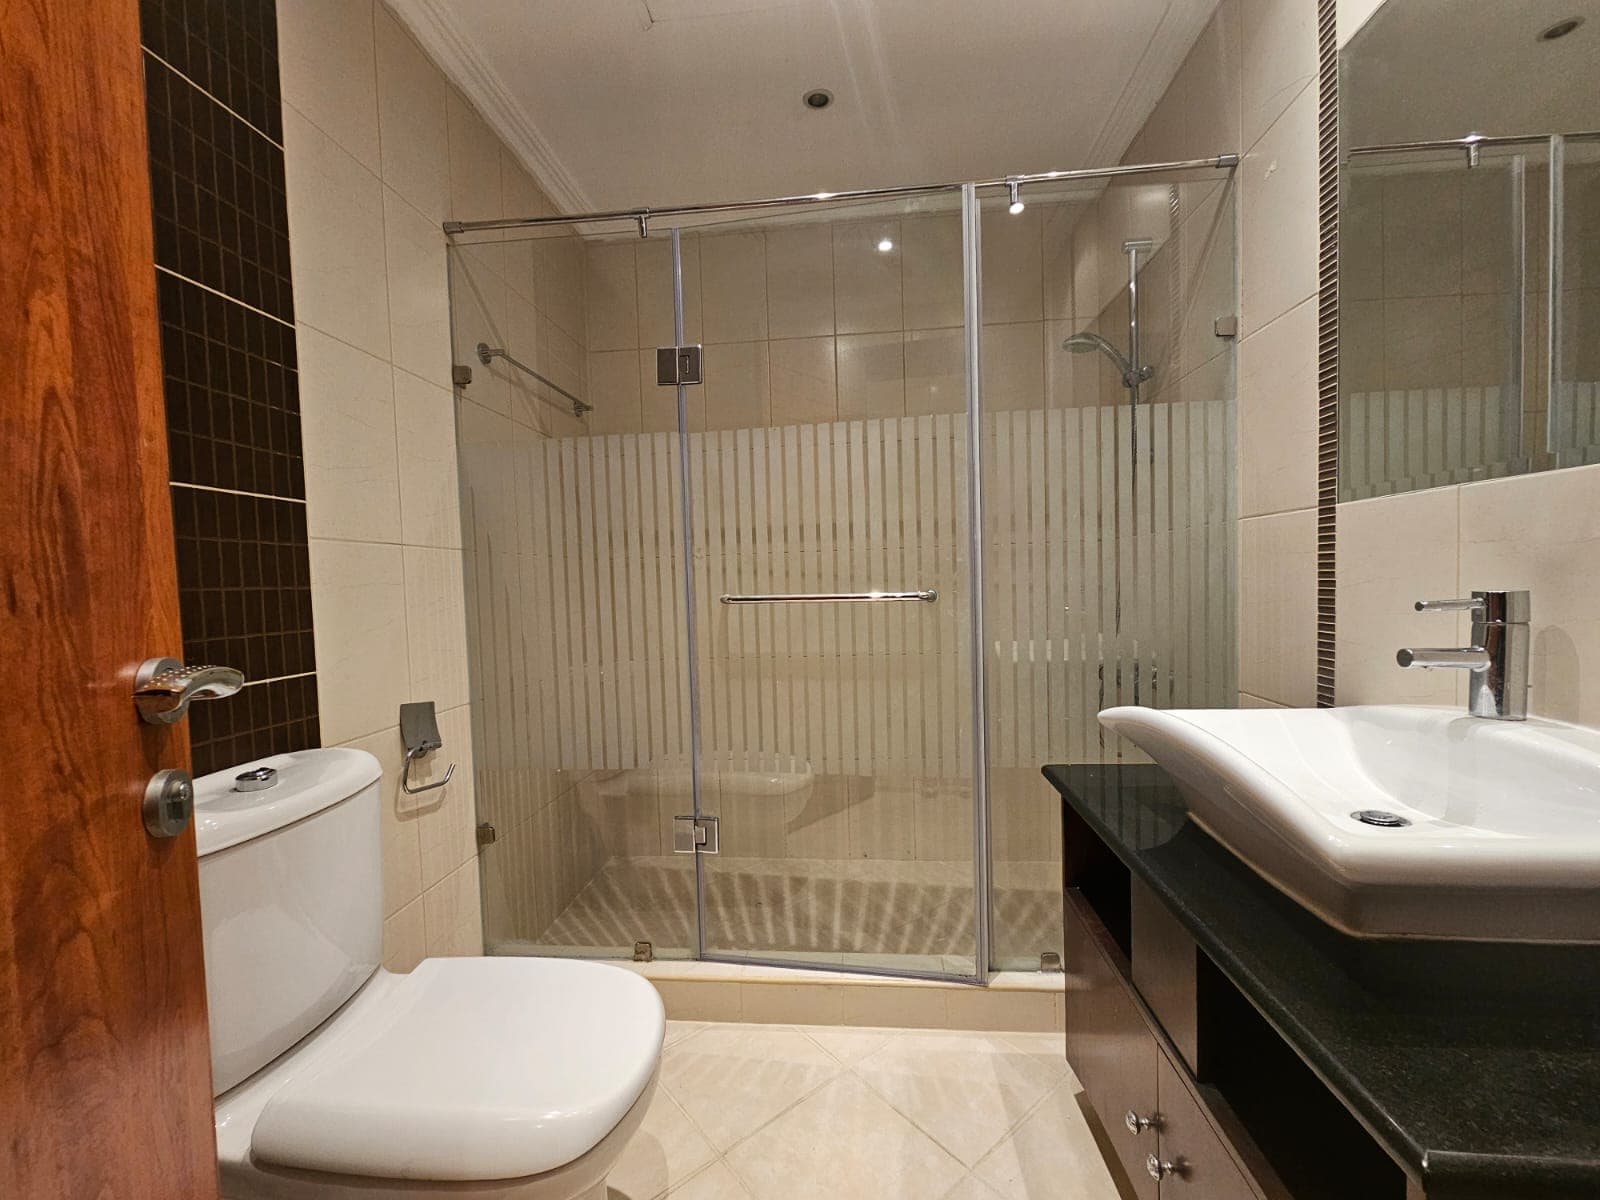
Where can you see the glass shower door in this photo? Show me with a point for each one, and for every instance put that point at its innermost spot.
(827, 466)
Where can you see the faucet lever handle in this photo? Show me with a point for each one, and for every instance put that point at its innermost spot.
(1434, 606)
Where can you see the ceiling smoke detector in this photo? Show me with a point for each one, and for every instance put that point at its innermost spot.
(1560, 29)
(817, 98)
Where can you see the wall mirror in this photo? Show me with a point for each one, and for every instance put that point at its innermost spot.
(1469, 243)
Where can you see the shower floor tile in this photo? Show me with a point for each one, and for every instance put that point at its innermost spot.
(892, 1114)
(902, 914)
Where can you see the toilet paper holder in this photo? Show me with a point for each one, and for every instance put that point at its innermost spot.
(419, 730)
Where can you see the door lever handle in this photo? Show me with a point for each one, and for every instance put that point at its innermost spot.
(164, 688)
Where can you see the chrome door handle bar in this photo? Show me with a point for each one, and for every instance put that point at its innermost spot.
(928, 596)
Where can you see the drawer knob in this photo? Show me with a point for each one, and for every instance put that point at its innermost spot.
(1158, 1170)
(1137, 1124)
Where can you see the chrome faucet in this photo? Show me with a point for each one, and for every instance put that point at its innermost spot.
(1498, 656)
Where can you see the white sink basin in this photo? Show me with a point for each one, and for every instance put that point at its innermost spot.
(1504, 835)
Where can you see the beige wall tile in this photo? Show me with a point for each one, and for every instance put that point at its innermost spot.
(1392, 552)
(402, 849)
(336, 229)
(436, 625)
(480, 301)
(358, 605)
(1352, 15)
(1278, 216)
(611, 295)
(1212, 89)
(733, 287)
(1542, 532)
(687, 1001)
(800, 281)
(348, 434)
(1279, 59)
(1278, 412)
(654, 265)
(931, 265)
(475, 191)
(1277, 607)
(1013, 268)
(990, 1008)
(430, 503)
(936, 378)
(614, 391)
(559, 282)
(445, 818)
(871, 375)
(791, 1004)
(327, 69)
(411, 119)
(803, 386)
(737, 386)
(1013, 366)
(896, 1006)
(450, 914)
(419, 298)
(405, 940)
(866, 280)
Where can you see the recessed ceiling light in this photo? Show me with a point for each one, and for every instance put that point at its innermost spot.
(818, 98)
(885, 245)
(1560, 29)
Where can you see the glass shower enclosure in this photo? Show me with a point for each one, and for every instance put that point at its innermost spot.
(765, 664)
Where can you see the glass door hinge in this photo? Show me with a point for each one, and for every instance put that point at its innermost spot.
(486, 834)
(677, 364)
(694, 835)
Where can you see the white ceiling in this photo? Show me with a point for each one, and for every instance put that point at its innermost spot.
(1426, 69)
(622, 103)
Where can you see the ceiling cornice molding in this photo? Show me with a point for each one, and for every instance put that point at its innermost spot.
(1174, 37)
(434, 25)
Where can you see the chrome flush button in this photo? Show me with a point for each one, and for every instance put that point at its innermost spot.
(258, 780)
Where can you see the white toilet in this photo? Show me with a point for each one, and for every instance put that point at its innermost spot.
(469, 1077)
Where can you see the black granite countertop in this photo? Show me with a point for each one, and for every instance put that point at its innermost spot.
(1475, 1065)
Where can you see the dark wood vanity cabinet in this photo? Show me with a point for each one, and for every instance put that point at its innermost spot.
(1163, 1138)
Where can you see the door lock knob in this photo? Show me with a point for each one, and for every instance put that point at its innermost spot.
(168, 803)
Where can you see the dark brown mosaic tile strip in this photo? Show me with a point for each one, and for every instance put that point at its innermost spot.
(220, 210)
(244, 582)
(233, 403)
(264, 719)
(228, 47)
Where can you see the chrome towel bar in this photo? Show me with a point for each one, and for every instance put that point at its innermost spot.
(928, 596)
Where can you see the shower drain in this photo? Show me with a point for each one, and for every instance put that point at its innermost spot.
(1377, 816)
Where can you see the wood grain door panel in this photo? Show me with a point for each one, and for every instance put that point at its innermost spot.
(104, 1066)
(1206, 1170)
(1109, 1046)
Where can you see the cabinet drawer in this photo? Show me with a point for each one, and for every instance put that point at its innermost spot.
(1203, 1168)
(1109, 1045)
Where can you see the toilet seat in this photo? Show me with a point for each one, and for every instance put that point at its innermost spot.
(467, 1076)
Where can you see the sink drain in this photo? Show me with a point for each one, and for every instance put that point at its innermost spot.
(1377, 816)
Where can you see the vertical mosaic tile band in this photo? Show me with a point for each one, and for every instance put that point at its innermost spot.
(230, 370)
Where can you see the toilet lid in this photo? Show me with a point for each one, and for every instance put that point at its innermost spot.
(473, 1069)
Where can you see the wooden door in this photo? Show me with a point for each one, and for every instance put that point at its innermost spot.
(105, 1079)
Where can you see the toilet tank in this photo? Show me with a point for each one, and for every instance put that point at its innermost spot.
(291, 899)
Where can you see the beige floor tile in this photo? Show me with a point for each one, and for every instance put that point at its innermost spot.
(1052, 1153)
(678, 1030)
(966, 1091)
(716, 1182)
(843, 1142)
(972, 1188)
(733, 1079)
(849, 1045)
(666, 1151)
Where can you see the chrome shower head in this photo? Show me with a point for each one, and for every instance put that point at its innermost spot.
(1089, 343)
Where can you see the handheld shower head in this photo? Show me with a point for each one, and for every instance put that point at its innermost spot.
(1088, 343)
